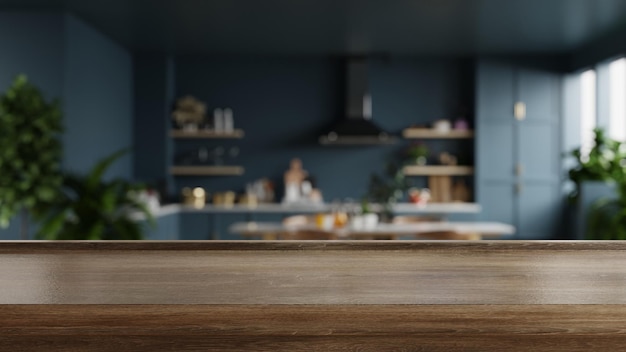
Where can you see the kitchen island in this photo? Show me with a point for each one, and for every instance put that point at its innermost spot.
(211, 222)
(288, 296)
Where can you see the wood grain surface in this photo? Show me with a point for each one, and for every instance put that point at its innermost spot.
(320, 296)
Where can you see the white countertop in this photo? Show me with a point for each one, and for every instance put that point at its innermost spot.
(483, 228)
(277, 208)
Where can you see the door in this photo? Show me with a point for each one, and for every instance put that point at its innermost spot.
(518, 156)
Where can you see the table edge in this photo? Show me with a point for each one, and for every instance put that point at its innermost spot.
(378, 245)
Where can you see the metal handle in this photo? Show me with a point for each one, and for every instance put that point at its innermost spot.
(519, 110)
(518, 188)
(519, 169)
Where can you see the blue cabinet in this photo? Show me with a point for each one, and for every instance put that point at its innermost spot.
(165, 228)
(517, 150)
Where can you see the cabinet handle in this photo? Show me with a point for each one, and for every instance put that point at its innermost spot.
(519, 169)
(519, 110)
(518, 188)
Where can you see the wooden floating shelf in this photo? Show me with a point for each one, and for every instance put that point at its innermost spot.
(437, 170)
(415, 133)
(207, 134)
(207, 170)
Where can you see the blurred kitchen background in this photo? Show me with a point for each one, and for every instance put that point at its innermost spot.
(478, 101)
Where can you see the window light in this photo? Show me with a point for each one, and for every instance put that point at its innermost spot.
(587, 111)
(617, 99)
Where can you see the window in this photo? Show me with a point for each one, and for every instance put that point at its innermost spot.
(588, 87)
(617, 100)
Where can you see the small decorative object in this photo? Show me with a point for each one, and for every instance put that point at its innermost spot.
(218, 155)
(366, 221)
(419, 197)
(226, 199)
(189, 113)
(262, 190)
(418, 153)
(248, 199)
(229, 123)
(446, 158)
(316, 196)
(461, 124)
(218, 120)
(195, 198)
(370, 221)
(203, 155)
(461, 121)
(460, 191)
(324, 221)
(294, 177)
(233, 153)
(148, 197)
(442, 126)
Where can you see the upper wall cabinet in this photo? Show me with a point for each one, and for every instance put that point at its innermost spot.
(518, 154)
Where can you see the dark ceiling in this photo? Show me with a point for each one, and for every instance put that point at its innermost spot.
(301, 27)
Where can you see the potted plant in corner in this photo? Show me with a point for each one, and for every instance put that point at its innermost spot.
(90, 208)
(604, 163)
(30, 152)
(602, 172)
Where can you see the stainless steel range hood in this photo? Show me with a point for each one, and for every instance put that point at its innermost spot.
(357, 127)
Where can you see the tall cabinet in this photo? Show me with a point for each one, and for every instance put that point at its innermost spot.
(517, 142)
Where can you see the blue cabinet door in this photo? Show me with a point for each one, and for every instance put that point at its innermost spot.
(165, 228)
(496, 200)
(540, 91)
(539, 212)
(538, 151)
(495, 151)
(518, 160)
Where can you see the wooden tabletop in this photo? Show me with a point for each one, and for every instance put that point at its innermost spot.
(269, 296)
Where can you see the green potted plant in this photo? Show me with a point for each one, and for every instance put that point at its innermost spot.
(607, 218)
(30, 152)
(417, 153)
(604, 163)
(90, 208)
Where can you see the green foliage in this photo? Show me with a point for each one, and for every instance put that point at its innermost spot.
(30, 150)
(417, 150)
(604, 163)
(90, 208)
(388, 189)
(607, 219)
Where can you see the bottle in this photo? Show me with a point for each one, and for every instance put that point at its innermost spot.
(218, 120)
(229, 123)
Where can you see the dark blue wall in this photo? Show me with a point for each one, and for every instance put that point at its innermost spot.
(92, 76)
(283, 105)
(153, 92)
(32, 44)
(98, 96)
